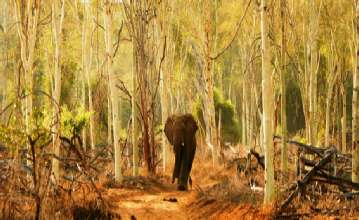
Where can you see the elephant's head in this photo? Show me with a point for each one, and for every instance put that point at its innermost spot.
(178, 129)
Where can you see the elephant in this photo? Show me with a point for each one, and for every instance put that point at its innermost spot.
(180, 131)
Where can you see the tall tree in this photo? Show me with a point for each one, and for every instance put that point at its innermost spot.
(165, 21)
(355, 107)
(313, 70)
(208, 102)
(5, 49)
(344, 110)
(268, 102)
(284, 153)
(57, 25)
(108, 13)
(135, 150)
(27, 16)
(331, 79)
(141, 23)
(87, 52)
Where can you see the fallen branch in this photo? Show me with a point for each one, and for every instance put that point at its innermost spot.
(308, 148)
(302, 183)
(335, 180)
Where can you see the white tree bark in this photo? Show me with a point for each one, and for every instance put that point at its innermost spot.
(27, 16)
(313, 68)
(268, 102)
(86, 67)
(355, 120)
(57, 38)
(109, 116)
(331, 82)
(113, 90)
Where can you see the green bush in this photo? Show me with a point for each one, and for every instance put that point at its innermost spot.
(230, 130)
(73, 122)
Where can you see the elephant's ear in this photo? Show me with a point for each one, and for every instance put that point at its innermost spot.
(169, 129)
(191, 123)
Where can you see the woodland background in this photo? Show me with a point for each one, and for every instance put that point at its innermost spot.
(109, 73)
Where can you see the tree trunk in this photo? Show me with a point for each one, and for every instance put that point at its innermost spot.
(355, 120)
(331, 82)
(244, 108)
(135, 150)
(267, 99)
(284, 153)
(313, 68)
(86, 67)
(27, 16)
(83, 105)
(344, 118)
(109, 115)
(209, 111)
(4, 76)
(57, 38)
(113, 90)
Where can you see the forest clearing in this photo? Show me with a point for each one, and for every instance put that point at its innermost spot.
(179, 109)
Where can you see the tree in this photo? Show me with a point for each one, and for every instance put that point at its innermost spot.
(165, 72)
(113, 90)
(27, 16)
(86, 67)
(141, 23)
(4, 75)
(313, 70)
(331, 82)
(57, 25)
(135, 150)
(284, 153)
(355, 120)
(268, 102)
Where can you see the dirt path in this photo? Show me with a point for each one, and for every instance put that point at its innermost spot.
(158, 202)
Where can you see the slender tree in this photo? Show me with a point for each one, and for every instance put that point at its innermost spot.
(87, 52)
(108, 13)
(57, 25)
(284, 153)
(134, 100)
(208, 102)
(344, 117)
(27, 18)
(355, 120)
(331, 79)
(268, 102)
(313, 70)
(4, 75)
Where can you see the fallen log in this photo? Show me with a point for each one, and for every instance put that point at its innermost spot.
(307, 148)
(336, 180)
(302, 183)
(350, 195)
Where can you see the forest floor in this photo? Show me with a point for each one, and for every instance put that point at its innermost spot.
(163, 201)
(216, 194)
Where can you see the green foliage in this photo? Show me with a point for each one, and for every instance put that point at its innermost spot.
(73, 122)
(230, 130)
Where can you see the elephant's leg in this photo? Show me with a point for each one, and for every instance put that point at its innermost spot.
(178, 158)
(188, 157)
